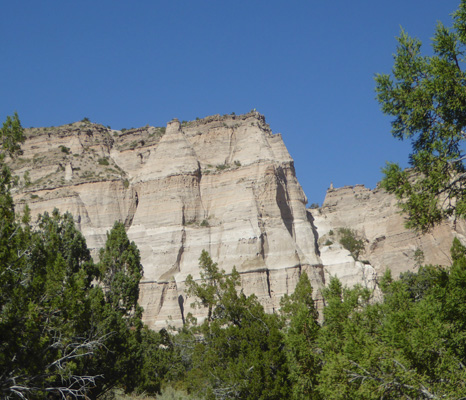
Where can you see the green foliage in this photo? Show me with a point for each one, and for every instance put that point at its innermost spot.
(60, 333)
(221, 167)
(427, 97)
(65, 149)
(103, 161)
(120, 271)
(412, 345)
(44, 311)
(301, 337)
(11, 136)
(27, 179)
(240, 355)
(349, 240)
(314, 206)
(418, 257)
(86, 120)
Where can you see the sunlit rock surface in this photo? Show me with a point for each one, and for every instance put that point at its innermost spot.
(225, 184)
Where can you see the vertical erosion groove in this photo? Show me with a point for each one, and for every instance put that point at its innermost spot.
(180, 251)
(162, 297)
(310, 218)
(267, 272)
(132, 210)
(282, 200)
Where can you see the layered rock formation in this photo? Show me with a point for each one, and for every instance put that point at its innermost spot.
(376, 219)
(225, 184)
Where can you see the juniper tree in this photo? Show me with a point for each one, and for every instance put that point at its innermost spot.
(426, 95)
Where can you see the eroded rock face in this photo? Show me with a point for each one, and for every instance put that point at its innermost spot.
(375, 217)
(223, 184)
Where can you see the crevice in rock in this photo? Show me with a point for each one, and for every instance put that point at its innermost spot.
(132, 210)
(198, 176)
(264, 245)
(181, 304)
(232, 147)
(180, 250)
(267, 274)
(263, 239)
(310, 218)
(162, 297)
(282, 200)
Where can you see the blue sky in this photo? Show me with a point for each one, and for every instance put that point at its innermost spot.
(307, 65)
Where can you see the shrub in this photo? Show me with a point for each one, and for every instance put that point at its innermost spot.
(314, 206)
(65, 149)
(204, 222)
(348, 239)
(238, 163)
(103, 161)
(27, 179)
(221, 167)
(418, 257)
(86, 120)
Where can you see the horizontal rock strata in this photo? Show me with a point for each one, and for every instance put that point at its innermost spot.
(225, 184)
(376, 218)
(222, 184)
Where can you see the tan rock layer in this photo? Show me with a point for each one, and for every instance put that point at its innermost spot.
(374, 215)
(223, 184)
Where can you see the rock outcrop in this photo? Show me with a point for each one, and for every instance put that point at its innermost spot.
(225, 184)
(376, 219)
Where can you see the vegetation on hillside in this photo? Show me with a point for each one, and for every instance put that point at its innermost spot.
(71, 328)
(426, 95)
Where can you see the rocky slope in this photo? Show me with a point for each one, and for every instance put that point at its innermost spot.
(225, 184)
(376, 220)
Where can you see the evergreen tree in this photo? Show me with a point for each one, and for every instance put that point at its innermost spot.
(120, 271)
(301, 337)
(239, 354)
(406, 347)
(61, 336)
(117, 315)
(427, 97)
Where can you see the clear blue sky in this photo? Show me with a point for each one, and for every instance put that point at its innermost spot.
(307, 65)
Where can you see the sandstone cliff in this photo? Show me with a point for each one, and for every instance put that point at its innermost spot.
(376, 219)
(225, 184)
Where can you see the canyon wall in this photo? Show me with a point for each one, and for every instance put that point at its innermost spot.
(377, 221)
(225, 184)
